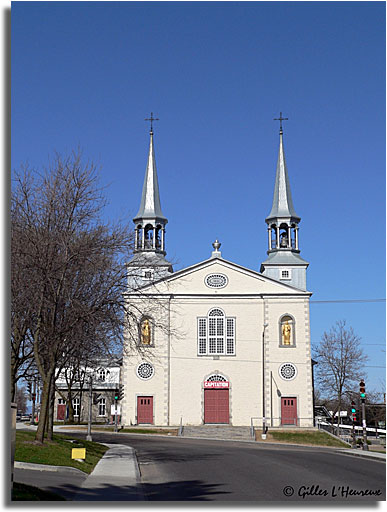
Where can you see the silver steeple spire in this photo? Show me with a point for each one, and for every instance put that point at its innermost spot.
(150, 221)
(150, 206)
(282, 199)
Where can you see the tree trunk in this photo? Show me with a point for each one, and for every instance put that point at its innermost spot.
(50, 418)
(70, 406)
(45, 398)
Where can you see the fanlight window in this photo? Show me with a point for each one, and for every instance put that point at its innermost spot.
(216, 334)
(216, 378)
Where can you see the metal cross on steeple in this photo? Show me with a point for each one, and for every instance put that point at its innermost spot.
(151, 119)
(280, 119)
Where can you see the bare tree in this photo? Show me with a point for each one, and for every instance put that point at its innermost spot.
(74, 269)
(21, 399)
(340, 363)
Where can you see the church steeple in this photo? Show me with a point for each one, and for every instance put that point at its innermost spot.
(284, 262)
(282, 200)
(150, 221)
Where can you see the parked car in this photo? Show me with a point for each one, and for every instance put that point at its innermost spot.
(25, 417)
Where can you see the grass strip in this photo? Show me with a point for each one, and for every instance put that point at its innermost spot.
(23, 492)
(57, 452)
(310, 438)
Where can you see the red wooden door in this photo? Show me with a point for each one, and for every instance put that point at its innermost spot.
(61, 411)
(145, 409)
(289, 411)
(216, 407)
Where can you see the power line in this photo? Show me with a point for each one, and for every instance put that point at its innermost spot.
(349, 301)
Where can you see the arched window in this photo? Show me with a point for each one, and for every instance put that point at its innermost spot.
(138, 237)
(148, 235)
(216, 378)
(216, 334)
(146, 333)
(102, 374)
(287, 331)
(158, 236)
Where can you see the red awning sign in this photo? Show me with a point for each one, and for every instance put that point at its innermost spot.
(216, 384)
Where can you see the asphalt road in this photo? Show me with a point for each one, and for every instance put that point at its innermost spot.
(63, 482)
(178, 469)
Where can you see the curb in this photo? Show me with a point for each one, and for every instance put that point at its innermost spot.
(373, 456)
(47, 467)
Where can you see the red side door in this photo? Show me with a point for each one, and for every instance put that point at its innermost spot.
(289, 411)
(61, 411)
(145, 409)
(216, 406)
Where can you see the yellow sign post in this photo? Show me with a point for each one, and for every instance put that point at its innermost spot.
(78, 453)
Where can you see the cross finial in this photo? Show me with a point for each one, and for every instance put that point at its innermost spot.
(151, 119)
(280, 119)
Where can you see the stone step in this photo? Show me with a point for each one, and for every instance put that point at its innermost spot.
(217, 432)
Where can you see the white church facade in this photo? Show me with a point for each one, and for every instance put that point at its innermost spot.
(217, 343)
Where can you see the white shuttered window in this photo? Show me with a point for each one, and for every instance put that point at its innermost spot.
(216, 334)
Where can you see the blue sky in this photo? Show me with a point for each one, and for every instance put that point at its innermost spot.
(216, 74)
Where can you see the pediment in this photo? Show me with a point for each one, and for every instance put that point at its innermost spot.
(221, 277)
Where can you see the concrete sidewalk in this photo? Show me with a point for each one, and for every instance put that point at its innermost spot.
(116, 477)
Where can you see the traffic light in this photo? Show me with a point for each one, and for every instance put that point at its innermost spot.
(29, 387)
(116, 394)
(121, 392)
(362, 390)
(353, 411)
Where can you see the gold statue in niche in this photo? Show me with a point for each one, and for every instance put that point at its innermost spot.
(286, 333)
(145, 332)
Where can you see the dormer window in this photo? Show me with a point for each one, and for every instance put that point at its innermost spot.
(148, 274)
(285, 273)
(102, 374)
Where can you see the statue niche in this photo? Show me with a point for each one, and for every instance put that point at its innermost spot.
(286, 330)
(145, 332)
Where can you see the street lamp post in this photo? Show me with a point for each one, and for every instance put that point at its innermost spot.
(264, 428)
(88, 436)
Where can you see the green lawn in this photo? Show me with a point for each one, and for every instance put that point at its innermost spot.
(57, 452)
(316, 438)
(22, 492)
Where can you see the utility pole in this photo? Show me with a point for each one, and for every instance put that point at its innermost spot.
(353, 412)
(88, 437)
(264, 428)
(33, 396)
(363, 413)
(116, 396)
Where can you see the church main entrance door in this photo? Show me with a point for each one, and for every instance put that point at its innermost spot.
(216, 407)
(145, 409)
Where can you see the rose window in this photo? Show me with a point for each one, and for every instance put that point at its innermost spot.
(288, 371)
(145, 371)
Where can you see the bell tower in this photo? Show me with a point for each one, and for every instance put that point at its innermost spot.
(149, 243)
(284, 262)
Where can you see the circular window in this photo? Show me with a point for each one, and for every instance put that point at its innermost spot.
(145, 371)
(287, 371)
(216, 280)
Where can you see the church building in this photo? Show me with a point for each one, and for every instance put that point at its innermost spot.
(217, 343)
